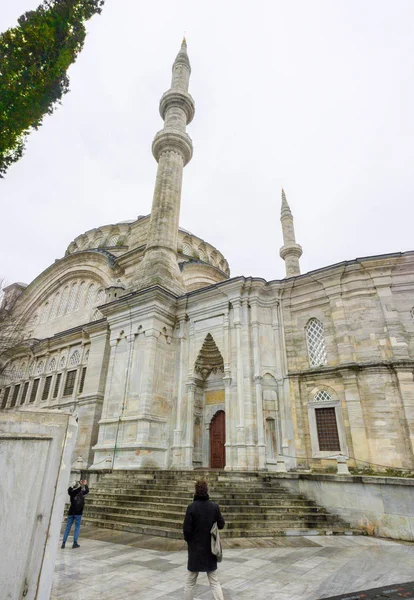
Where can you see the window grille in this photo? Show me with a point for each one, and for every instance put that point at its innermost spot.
(55, 306)
(24, 394)
(31, 368)
(79, 297)
(46, 388)
(62, 362)
(52, 365)
(6, 397)
(112, 240)
(187, 249)
(63, 301)
(34, 390)
(74, 359)
(40, 367)
(316, 343)
(57, 385)
(100, 296)
(45, 312)
(89, 296)
(322, 396)
(82, 380)
(327, 429)
(69, 383)
(72, 296)
(15, 395)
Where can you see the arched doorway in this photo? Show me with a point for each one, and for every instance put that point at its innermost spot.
(217, 441)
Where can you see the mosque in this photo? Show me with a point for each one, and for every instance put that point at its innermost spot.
(170, 363)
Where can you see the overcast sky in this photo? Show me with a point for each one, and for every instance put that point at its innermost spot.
(315, 96)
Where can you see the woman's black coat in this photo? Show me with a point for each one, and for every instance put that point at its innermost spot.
(199, 519)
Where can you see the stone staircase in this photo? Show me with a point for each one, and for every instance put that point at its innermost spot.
(253, 505)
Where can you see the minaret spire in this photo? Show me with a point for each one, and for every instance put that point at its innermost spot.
(290, 251)
(172, 149)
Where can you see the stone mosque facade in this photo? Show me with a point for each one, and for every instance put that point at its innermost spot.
(170, 363)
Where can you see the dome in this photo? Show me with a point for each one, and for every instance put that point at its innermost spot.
(202, 264)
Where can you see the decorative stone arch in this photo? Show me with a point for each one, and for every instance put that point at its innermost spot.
(113, 237)
(326, 388)
(209, 359)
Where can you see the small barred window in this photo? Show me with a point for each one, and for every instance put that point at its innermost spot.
(322, 396)
(89, 295)
(316, 343)
(327, 429)
(69, 383)
(187, 249)
(74, 359)
(112, 241)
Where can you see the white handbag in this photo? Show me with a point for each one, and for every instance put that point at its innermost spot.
(216, 547)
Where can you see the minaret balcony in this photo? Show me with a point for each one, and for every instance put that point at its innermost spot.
(172, 140)
(291, 250)
(180, 99)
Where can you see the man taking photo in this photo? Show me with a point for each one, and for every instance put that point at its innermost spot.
(77, 492)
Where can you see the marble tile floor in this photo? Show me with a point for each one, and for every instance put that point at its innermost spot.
(113, 565)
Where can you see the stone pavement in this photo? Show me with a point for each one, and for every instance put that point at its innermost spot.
(112, 565)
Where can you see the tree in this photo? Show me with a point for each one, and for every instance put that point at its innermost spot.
(34, 59)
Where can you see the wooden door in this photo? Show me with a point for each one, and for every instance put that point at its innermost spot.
(217, 441)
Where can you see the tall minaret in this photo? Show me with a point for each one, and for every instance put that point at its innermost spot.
(172, 149)
(290, 251)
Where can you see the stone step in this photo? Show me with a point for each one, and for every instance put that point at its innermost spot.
(278, 522)
(216, 494)
(235, 533)
(291, 505)
(242, 515)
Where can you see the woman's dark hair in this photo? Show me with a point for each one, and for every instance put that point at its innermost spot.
(201, 487)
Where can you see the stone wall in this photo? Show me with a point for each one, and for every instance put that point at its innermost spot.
(380, 506)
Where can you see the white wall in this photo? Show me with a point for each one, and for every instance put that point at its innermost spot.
(35, 453)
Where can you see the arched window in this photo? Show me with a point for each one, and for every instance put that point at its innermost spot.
(74, 359)
(79, 297)
(55, 306)
(72, 297)
(187, 249)
(322, 396)
(89, 294)
(112, 240)
(100, 296)
(45, 312)
(31, 367)
(63, 301)
(62, 362)
(52, 365)
(316, 343)
(40, 368)
(96, 315)
(203, 255)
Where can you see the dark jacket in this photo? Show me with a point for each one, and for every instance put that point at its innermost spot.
(76, 508)
(199, 519)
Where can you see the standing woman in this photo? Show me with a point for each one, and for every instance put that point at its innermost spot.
(200, 517)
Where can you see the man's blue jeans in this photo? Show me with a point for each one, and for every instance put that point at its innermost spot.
(71, 518)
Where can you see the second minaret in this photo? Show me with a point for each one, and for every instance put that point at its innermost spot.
(290, 251)
(172, 149)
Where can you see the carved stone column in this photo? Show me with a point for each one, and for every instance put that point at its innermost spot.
(177, 442)
(189, 445)
(261, 446)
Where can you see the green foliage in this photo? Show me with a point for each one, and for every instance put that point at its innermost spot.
(34, 59)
